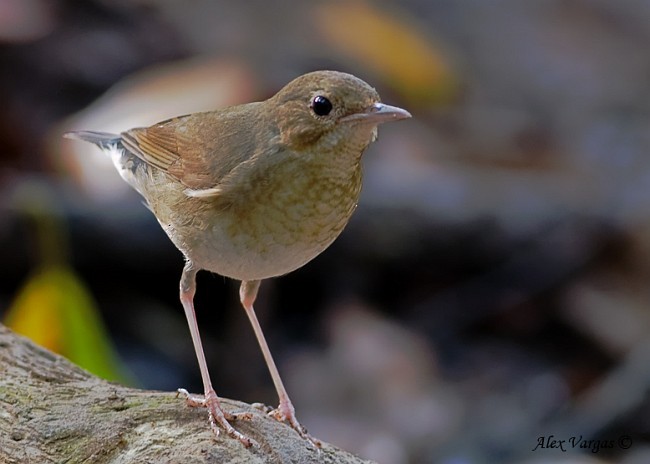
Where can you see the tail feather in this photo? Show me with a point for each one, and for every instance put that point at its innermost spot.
(103, 139)
(128, 165)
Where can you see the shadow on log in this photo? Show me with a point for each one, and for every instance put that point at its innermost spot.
(52, 411)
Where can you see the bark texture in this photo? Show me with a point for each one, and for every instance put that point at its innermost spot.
(54, 412)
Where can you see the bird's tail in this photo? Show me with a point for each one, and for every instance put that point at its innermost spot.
(102, 139)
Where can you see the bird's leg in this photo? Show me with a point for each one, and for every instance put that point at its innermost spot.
(285, 410)
(218, 417)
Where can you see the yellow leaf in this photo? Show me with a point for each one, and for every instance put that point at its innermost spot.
(55, 310)
(391, 46)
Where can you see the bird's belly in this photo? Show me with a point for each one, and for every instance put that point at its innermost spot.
(263, 242)
(248, 259)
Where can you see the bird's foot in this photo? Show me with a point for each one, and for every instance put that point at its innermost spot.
(285, 412)
(217, 416)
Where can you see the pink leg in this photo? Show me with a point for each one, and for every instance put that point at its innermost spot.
(285, 411)
(211, 401)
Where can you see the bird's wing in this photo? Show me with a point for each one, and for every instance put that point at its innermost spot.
(167, 147)
(157, 145)
(198, 150)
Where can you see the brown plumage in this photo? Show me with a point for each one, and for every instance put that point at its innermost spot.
(254, 191)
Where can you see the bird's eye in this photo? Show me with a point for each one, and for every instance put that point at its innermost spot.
(321, 105)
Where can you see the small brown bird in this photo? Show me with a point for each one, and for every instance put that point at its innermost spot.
(253, 191)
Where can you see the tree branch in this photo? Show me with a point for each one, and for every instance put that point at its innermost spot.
(52, 412)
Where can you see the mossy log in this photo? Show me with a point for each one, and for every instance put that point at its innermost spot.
(54, 412)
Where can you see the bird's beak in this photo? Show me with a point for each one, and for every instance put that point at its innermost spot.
(378, 113)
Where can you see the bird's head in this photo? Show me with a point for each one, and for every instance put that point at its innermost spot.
(329, 110)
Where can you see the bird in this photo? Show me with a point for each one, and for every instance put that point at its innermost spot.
(251, 192)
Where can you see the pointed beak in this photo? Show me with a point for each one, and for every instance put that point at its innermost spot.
(378, 113)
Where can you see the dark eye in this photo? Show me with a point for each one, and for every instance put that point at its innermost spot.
(321, 105)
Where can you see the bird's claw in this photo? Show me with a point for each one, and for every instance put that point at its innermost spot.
(285, 413)
(217, 416)
(191, 400)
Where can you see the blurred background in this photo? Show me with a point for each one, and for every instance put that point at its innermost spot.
(492, 287)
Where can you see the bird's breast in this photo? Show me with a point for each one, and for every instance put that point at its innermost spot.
(275, 222)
